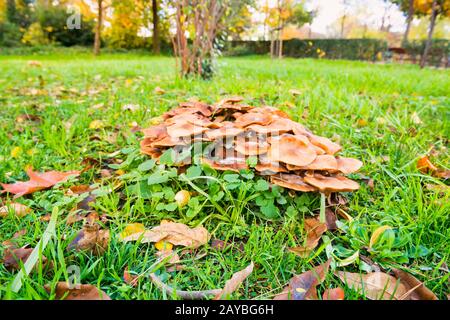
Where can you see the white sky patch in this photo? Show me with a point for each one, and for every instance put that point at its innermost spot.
(328, 11)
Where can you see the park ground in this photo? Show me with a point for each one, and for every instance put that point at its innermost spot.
(386, 115)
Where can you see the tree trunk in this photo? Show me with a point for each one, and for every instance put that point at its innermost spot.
(343, 25)
(409, 20)
(156, 39)
(434, 14)
(98, 28)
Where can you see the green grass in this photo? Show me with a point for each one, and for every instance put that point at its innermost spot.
(368, 108)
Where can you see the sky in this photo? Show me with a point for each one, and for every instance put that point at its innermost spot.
(328, 11)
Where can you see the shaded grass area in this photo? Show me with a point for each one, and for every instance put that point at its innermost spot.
(386, 115)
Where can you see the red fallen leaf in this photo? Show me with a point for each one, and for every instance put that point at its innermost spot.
(79, 292)
(334, 294)
(128, 278)
(303, 286)
(424, 165)
(37, 182)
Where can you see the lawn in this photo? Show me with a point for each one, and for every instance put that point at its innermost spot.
(386, 115)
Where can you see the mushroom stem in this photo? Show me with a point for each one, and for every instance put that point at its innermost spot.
(322, 217)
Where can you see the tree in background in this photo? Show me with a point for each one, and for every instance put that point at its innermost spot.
(156, 42)
(277, 18)
(52, 16)
(346, 5)
(239, 18)
(407, 7)
(433, 8)
(128, 17)
(198, 22)
(19, 12)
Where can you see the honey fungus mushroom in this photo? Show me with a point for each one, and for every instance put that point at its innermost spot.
(295, 150)
(287, 153)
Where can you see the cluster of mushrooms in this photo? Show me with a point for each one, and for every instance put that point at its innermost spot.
(282, 149)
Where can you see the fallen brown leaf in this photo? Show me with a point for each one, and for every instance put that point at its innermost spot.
(331, 219)
(80, 292)
(375, 285)
(129, 278)
(304, 286)
(416, 290)
(91, 238)
(159, 91)
(314, 230)
(13, 257)
(233, 284)
(176, 233)
(18, 209)
(172, 256)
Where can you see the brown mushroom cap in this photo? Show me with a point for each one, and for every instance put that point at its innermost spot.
(155, 153)
(190, 107)
(167, 142)
(322, 162)
(332, 183)
(270, 168)
(290, 149)
(300, 130)
(326, 144)
(252, 147)
(155, 132)
(226, 108)
(348, 165)
(194, 119)
(253, 118)
(230, 100)
(277, 126)
(184, 129)
(224, 131)
(319, 150)
(292, 181)
(272, 111)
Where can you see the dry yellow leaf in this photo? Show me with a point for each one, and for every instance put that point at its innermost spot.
(132, 229)
(377, 233)
(163, 246)
(16, 152)
(97, 124)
